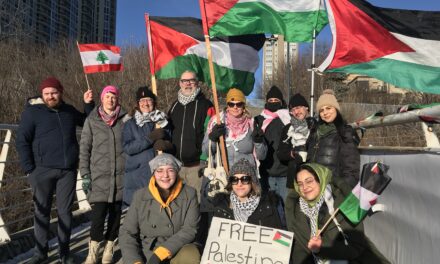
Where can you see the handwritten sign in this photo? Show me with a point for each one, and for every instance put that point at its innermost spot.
(241, 243)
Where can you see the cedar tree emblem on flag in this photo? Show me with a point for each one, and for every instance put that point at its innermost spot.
(100, 57)
(373, 181)
(397, 46)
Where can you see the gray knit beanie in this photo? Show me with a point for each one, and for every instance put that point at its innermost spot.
(243, 166)
(164, 159)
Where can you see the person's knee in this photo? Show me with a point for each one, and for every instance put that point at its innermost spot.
(188, 254)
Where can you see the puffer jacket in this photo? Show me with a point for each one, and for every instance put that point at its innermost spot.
(102, 158)
(46, 137)
(147, 226)
(359, 249)
(338, 153)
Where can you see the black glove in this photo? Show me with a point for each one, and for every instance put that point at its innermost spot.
(86, 183)
(154, 259)
(257, 135)
(217, 131)
(311, 122)
(156, 134)
(163, 145)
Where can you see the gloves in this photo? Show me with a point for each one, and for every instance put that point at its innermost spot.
(154, 259)
(156, 134)
(86, 183)
(217, 131)
(257, 135)
(163, 145)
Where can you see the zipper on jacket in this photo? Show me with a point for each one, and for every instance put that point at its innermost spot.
(183, 129)
(62, 138)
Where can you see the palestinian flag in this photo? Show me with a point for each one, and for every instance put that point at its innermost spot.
(177, 45)
(282, 238)
(296, 20)
(100, 57)
(374, 180)
(401, 47)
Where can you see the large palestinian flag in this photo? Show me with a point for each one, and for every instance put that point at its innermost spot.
(374, 180)
(295, 19)
(177, 45)
(401, 47)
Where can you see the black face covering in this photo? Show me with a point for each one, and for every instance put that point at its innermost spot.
(273, 107)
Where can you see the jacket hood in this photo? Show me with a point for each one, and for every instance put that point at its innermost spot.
(37, 101)
(324, 175)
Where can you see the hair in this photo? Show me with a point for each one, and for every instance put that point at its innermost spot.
(309, 169)
(255, 188)
(339, 123)
(189, 71)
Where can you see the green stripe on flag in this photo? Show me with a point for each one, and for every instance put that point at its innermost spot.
(284, 243)
(350, 207)
(407, 75)
(295, 26)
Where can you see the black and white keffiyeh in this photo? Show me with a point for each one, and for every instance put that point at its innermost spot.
(242, 211)
(155, 116)
(298, 132)
(184, 100)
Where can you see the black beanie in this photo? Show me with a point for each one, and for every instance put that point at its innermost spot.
(274, 92)
(298, 100)
(143, 92)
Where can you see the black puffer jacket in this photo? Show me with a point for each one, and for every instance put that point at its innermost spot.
(338, 151)
(188, 124)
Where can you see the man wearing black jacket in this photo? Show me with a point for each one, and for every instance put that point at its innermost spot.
(48, 149)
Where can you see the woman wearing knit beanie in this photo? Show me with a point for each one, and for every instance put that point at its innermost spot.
(102, 168)
(332, 142)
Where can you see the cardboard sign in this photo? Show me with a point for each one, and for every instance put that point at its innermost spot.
(241, 243)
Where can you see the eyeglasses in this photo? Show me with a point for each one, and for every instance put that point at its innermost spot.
(244, 180)
(188, 81)
(146, 100)
(307, 182)
(238, 105)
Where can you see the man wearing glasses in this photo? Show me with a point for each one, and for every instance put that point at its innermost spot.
(189, 115)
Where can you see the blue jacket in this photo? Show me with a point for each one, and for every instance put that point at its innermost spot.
(47, 137)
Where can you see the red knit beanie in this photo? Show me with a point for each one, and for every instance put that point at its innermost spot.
(51, 82)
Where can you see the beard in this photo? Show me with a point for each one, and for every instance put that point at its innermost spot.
(52, 103)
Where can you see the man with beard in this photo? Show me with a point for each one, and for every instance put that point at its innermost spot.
(189, 116)
(292, 147)
(272, 120)
(48, 149)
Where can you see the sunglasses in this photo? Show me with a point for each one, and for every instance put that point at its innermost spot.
(244, 180)
(239, 104)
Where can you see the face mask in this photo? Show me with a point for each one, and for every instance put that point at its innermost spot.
(273, 107)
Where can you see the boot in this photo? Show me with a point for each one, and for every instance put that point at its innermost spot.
(92, 257)
(107, 256)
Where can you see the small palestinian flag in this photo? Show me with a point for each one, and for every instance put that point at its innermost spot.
(374, 180)
(178, 44)
(100, 57)
(397, 46)
(282, 238)
(296, 20)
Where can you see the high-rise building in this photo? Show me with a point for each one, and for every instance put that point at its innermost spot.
(275, 60)
(50, 21)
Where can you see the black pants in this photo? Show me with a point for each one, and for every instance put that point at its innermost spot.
(98, 214)
(45, 182)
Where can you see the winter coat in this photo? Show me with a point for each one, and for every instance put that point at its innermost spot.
(269, 212)
(338, 153)
(102, 158)
(146, 226)
(271, 165)
(139, 151)
(242, 149)
(359, 249)
(188, 127)
(46, 137)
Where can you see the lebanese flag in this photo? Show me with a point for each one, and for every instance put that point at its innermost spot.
(401, 47)
(373, 181)
(296, 19)
(100, 57)
(176, 44)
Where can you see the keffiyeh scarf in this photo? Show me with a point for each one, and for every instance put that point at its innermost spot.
(242, 211)
(298, 132)
(109, 119)
(155, 116)
(184, 99)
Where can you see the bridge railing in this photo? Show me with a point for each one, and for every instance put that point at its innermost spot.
(16, 205)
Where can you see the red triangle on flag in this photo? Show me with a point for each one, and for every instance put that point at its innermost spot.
(277, 236)
(216, 9)
(359, 38)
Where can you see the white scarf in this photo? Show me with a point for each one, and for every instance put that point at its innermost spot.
(186, 99)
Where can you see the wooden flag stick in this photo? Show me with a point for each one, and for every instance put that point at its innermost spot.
(328, 222)
(85, 74)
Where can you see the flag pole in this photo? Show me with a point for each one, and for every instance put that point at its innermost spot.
(213, 84)
(85, 74)
(312, 86)
(328, 222)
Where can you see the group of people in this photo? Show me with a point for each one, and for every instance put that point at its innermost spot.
(288, 170)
